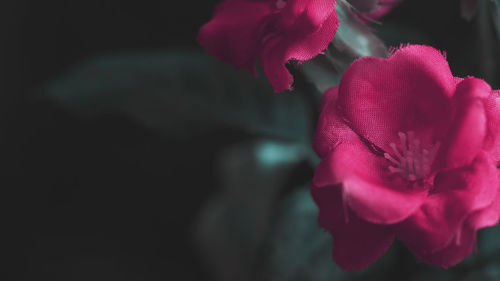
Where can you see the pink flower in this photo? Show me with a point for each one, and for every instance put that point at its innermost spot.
(272, 31)
(409, 152)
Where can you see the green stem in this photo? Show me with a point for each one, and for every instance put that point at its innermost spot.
(485, 33)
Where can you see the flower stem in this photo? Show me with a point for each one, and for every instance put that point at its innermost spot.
(485, 33)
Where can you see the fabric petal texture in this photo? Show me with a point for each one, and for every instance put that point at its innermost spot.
(331, 130)
(409, 91)
(462, 245)
(492, 142)
(233, 34)
(408, 151)
(365, 191)
(467, 133)
(273, 32)
(456, 195)
(357, 243)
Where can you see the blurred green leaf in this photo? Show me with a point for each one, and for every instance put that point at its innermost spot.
(489, 241)
(182, 94)
(354, 38)
(322, 72)
(233, 226)
(488, 272)
(495, 15)
(434, 274)
(298, 249)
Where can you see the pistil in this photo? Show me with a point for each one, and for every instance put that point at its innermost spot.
(409, 159)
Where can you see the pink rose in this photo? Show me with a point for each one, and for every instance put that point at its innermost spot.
(272, 31)
(409, 152)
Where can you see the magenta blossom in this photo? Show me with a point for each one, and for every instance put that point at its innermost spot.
(272, 31)
(409, 152)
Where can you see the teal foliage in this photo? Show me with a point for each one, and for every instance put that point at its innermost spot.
(181, 94)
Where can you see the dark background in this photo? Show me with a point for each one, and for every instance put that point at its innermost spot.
(106, 198)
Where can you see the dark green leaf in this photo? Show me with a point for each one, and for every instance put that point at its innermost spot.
(496, 15)
(489, 272)
(297, 249)
(233, 226)
(489, 241)
(434, 274)
(181, 94)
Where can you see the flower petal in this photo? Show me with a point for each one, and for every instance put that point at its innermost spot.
(456, 194)
(409, 91)
(492, 141)
(356, 243)
(380, 204)
(233, 33)
(331, 208)
(464, 241)
(310, 13)
(369, 189)
(304, 40)
(490, 215)
(465, 138)
(462, 245)
(312, 44)
(331, 130)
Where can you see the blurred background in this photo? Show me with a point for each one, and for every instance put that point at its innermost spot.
(128, 153)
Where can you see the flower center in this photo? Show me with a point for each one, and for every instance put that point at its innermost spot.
(280, 4)
(409, 159)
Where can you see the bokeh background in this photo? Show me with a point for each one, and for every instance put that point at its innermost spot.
(127, 153)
